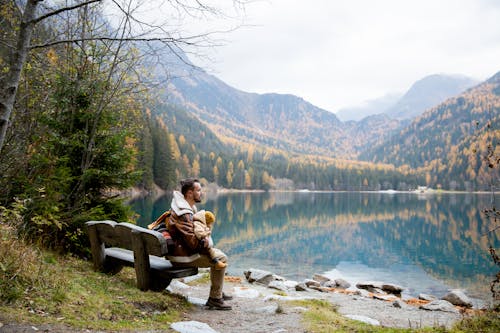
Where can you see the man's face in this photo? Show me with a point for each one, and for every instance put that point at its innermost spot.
(197, 192)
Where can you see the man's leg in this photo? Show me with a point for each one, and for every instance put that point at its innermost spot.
(216, 275)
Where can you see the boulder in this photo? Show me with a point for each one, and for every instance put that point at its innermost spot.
(342, 284)
(457, 297)
(439, 305)
(329, 284)
(392, 288)
(259, 276)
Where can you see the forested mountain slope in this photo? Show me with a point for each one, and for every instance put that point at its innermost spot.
(449, 141)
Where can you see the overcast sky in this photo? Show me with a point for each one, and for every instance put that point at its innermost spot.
(337, 53)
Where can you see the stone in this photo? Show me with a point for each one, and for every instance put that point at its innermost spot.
(426, 297)
(301, 287)
(342, 284)
(312, 283)
(457, 297)
(364, 319)
(259, 276)
(384, 297)
(373, 286)
(290, 284)
(192, 327)
(177, 285)
(279, 285)
(439, 305)
(392, 288)
(362, 293)
(321, 278)
(329, 284)
(196, 301)
(399, 304)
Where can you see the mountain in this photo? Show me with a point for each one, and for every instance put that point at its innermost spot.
(428, 92)
(277, 121)
(451, 141)
(369, 108)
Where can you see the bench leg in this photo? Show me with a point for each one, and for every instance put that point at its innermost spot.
(159, 283)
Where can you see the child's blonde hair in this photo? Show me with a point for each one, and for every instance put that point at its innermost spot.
(209, 218)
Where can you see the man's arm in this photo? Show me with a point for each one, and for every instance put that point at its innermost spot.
(185, 226)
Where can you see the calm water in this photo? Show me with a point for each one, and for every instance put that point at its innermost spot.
(426, 243)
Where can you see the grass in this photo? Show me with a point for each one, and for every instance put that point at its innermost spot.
(47, 288)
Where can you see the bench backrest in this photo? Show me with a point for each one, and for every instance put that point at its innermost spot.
(123, 235)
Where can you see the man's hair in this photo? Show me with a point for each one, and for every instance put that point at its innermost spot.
(188, 184)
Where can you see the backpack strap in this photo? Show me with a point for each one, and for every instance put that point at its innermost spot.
(163, 217)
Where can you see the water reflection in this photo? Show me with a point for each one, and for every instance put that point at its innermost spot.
(428, 243)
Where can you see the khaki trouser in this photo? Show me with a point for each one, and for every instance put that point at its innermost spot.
(216, 275)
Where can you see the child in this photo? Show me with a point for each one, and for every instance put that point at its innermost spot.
(203, 224)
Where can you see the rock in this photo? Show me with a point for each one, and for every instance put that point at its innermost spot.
(259, 276)
(342, 284)
(457, 297)
(399, 304)
(439, 305)
(392, 288)
(426, 297)
(321, 278)
(279, 285)
(301, 287)
(290, 284)
(177, 285)
(364, 319)
(329, 284)
(245, 292)
(312, 283)
(373, 286)
(192, 327)
(362, 292)
(196, 301)
(384, 297)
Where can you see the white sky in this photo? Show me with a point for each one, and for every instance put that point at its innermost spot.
(338, 53)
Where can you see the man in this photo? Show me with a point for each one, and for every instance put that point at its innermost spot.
(189, 250)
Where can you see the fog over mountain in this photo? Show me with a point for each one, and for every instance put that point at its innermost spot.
(422, 95)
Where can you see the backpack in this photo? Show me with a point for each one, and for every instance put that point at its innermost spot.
(161, 225)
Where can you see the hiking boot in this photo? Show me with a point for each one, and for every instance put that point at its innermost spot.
(217, 304)
(226, 297)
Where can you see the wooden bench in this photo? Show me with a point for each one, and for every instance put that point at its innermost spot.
(115, 245)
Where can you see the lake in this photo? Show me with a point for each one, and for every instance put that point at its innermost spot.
(427, 243)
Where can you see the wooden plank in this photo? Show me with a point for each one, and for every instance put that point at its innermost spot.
(141, 261)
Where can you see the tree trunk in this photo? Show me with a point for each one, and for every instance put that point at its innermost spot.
(8, 87)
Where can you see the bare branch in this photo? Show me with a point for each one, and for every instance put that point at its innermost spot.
(184, 41)
(61, 10)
